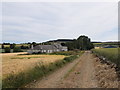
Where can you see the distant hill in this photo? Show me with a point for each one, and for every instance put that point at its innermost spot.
(61, 40)
(96, 42)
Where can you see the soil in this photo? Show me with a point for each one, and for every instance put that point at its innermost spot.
(106, 75)
(84, 72)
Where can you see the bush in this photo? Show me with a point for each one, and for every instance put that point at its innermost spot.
(67, 53)
(7, 50)
(68, 59)
(17, 49)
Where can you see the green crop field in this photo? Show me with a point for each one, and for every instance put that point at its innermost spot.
(111, 54)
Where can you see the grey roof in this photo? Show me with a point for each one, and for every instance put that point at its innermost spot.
(45, 47)
(57, 46)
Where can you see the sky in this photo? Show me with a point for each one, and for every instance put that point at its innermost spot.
(43, 21)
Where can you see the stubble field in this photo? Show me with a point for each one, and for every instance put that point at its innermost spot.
(14, 63)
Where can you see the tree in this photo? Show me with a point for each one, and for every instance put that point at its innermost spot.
(12, 45)
(28, 43)
(82, 43)
(2, 46)
(17, 49)
(63, 44)
(24, 47)
(34, 43)
(6, 43)
(7, 50)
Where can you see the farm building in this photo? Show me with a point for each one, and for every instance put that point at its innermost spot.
(47, 48)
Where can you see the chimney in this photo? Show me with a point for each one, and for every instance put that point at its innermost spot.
(31, 46)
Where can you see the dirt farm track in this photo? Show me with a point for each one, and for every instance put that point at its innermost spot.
(84, 72)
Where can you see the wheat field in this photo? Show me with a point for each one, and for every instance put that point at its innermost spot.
(13, 63)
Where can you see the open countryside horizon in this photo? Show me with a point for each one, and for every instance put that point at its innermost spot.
(56, 39)
(40, 22)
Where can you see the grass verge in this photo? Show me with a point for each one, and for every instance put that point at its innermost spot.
(110, 54)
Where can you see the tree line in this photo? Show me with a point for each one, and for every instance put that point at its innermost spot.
(13, 47)
(81, 43)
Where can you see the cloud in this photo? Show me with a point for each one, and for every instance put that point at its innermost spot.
(44, 21)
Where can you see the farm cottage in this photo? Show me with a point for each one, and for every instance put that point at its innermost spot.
(47, 48)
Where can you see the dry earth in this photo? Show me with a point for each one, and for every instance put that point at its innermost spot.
(106, 75)
(84, 72)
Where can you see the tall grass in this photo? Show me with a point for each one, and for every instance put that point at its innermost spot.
(40, 70)
(112, 54)
(67, 53)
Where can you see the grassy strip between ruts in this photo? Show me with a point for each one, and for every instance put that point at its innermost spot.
(40, 70)
(72, 69)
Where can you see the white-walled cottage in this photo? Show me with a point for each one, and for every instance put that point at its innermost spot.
(47, 48)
